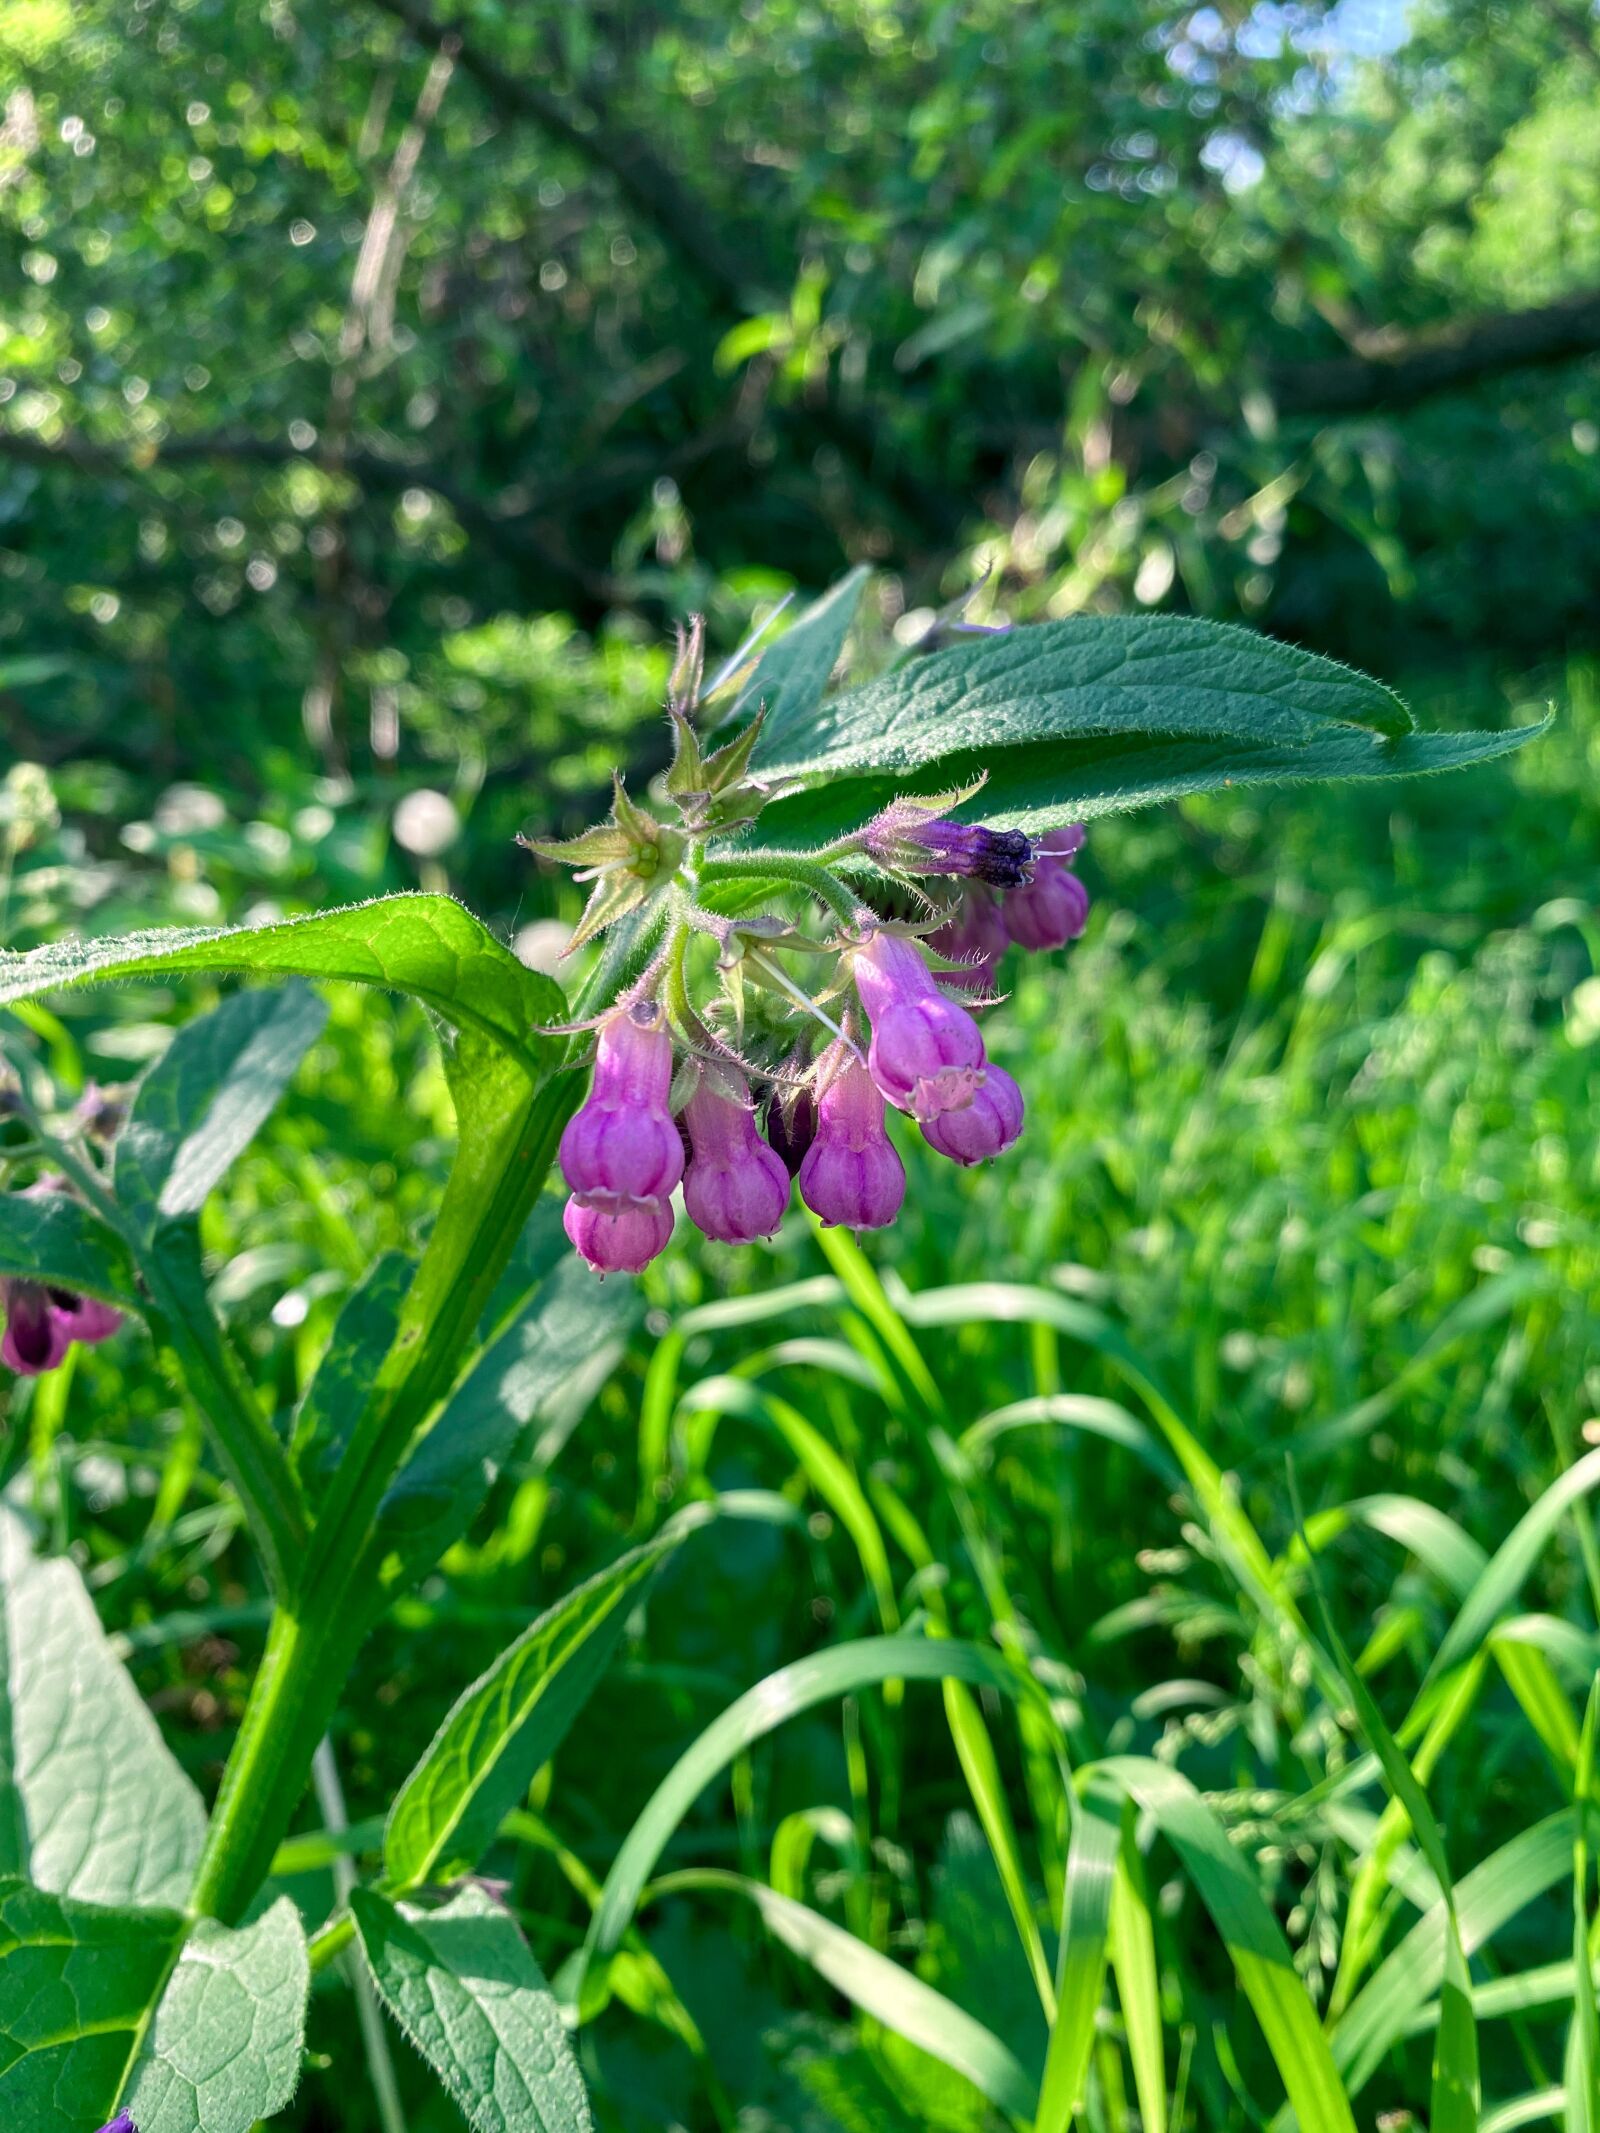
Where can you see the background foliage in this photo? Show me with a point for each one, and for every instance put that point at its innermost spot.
(374, 392)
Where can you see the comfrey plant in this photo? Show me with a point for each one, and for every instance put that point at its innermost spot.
(677, 1088)
(758, 1005)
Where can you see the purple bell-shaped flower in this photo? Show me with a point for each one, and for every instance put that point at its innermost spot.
(987, 1127)
(852, 1174)
(736, 1188)
(926, 1053)
(622, 1144)
(619, 1239)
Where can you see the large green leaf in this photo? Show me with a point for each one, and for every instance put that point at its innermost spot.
(50, 1237)
(545, 1367)
(92, 1804)
(429, 947)
(463, 1985)
(507, 1724)
(202, 1102)
(1097, 714)
(225, 2044)
(77, 1982)
(190, 2029)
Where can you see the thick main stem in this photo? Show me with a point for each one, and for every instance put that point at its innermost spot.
(311, 1649)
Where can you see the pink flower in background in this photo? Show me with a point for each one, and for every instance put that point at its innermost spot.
(974, 935)
(1054, 907)
(35, 1339)
(43, 1322)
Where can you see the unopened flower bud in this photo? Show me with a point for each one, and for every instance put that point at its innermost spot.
(621, 1238)
(122, 2123)
(926, 1053)
(987, 1127)
(975, 936)
(735, 1188)
(622, 1143)
(1054, 907)
(852, 1174)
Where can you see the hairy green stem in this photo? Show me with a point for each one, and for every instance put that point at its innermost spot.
(312, 1649)
(790, 868)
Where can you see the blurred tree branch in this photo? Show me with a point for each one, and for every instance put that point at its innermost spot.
(1416, 366)
(594, 131)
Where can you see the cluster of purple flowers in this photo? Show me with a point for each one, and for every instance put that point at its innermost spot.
(643, 1130)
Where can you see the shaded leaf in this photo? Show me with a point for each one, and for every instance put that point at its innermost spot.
(204, 1099)
(52, 1237)
(76, 1984)
(791, 674)
(544, 1367)
(362, 1336)
(508, 1724)
(464, 1987)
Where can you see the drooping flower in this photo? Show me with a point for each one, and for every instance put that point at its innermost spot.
(622, 1144)
(122, 2123)
(1054, 907)
(987, 1127)
(42, 1322)
(852, 1174)
(619, 1239)
(84, 1318)
(35, 1339)
(926, 1053)
(975, 936)
(736, 1188)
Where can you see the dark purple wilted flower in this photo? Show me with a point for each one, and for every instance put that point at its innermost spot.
(926, 1053)
(622, 1239)
(621, 1144)
(791, 1125)
(102, 1113)
(735, 1188)
(851, 1174)
(987, 1127)
(1054, 907)
(906, 838)
(975, 936)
